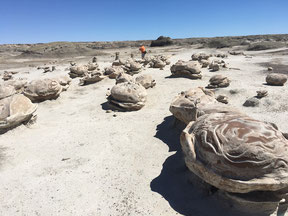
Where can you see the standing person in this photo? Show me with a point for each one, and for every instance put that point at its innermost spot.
(143, 51)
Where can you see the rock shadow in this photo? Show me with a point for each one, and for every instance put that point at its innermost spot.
(180, 76)
(173, 182)
(105, 106)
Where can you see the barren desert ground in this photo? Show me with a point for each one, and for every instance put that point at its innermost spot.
(79, 158)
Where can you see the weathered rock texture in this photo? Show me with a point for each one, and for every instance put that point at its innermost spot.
(146, 81)
(123, 77)
(261, 93)
(6, 91)
(90, 78)
(276, 79)
(190, 69)
(43, 89)
(83, 70)
(64, 81)
(218, 81)
(15, 110)
(188, 105)
(127, 96)
(113, 71)
(236, 153)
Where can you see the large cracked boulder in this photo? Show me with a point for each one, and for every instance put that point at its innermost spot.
(146, 81)
(218, 81)
(127, 96)
(276, 79)
(236, 153)
(43, 89)
(15, 110)
(188, 69)
(113, 71)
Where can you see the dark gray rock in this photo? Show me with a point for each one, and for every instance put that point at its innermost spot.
(251, 102)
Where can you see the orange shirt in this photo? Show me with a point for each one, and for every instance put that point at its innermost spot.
(142, 49)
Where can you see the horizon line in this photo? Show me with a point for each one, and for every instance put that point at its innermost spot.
(196, 37)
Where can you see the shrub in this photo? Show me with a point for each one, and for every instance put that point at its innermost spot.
(219, 43)
(264, 46)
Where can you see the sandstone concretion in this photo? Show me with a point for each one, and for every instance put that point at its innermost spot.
(127, 96)
(42, 89)
(15, 110)
(190, 69)
(276, 79)
(236, 153)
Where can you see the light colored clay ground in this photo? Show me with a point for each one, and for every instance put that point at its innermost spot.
(79, 160)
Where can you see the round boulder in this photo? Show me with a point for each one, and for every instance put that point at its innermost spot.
(276, 79)
(127, 96)
(43, 89)
(78, 71)
(190, 69)
(251, 102)
(15, 110)
(236, 153)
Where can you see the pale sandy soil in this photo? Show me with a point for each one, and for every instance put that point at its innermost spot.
(79, 160)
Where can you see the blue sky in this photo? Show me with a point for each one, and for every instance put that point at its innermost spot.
(35, 21)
